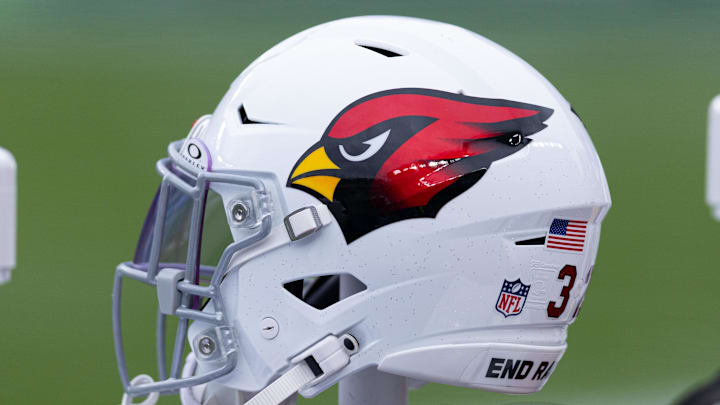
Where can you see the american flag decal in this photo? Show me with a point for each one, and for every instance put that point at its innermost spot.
(566, 234)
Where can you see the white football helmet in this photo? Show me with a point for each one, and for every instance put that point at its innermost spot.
(436, 177)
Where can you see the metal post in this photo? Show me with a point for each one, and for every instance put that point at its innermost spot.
(370, 386)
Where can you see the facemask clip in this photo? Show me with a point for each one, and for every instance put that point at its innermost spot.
(214, 344)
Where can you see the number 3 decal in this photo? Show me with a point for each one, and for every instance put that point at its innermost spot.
(553, 310)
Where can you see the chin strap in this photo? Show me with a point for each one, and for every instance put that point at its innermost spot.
(285, 386)
(317, 363)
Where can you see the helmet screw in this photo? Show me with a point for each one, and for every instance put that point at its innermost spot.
(351, 344)
(269, 328)
(239, 212)
(206, 345)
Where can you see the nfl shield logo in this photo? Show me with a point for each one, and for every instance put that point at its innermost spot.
(512, 297)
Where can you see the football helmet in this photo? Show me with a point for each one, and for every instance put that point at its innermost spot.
(437, 176)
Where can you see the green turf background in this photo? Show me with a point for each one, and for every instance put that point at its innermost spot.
(91, 92)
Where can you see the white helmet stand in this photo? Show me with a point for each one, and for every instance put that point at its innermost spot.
(7, 214)
(713, 158)
(370, 386)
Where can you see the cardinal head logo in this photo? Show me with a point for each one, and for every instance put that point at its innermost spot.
(405, 153)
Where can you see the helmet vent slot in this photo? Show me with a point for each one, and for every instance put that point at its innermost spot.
(322, 291)
(381, 50)
(531, 242)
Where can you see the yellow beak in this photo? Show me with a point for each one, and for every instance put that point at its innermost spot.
(322, 183)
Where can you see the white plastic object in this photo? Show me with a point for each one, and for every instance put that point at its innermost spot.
(328, 356)
(713, 158)
(307, 221)
(8, 196)
(284, 387)
(151, 399)
(373, 387)
(167, 292)
(191, 395)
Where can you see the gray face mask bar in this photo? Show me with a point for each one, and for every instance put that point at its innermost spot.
(184, 285)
